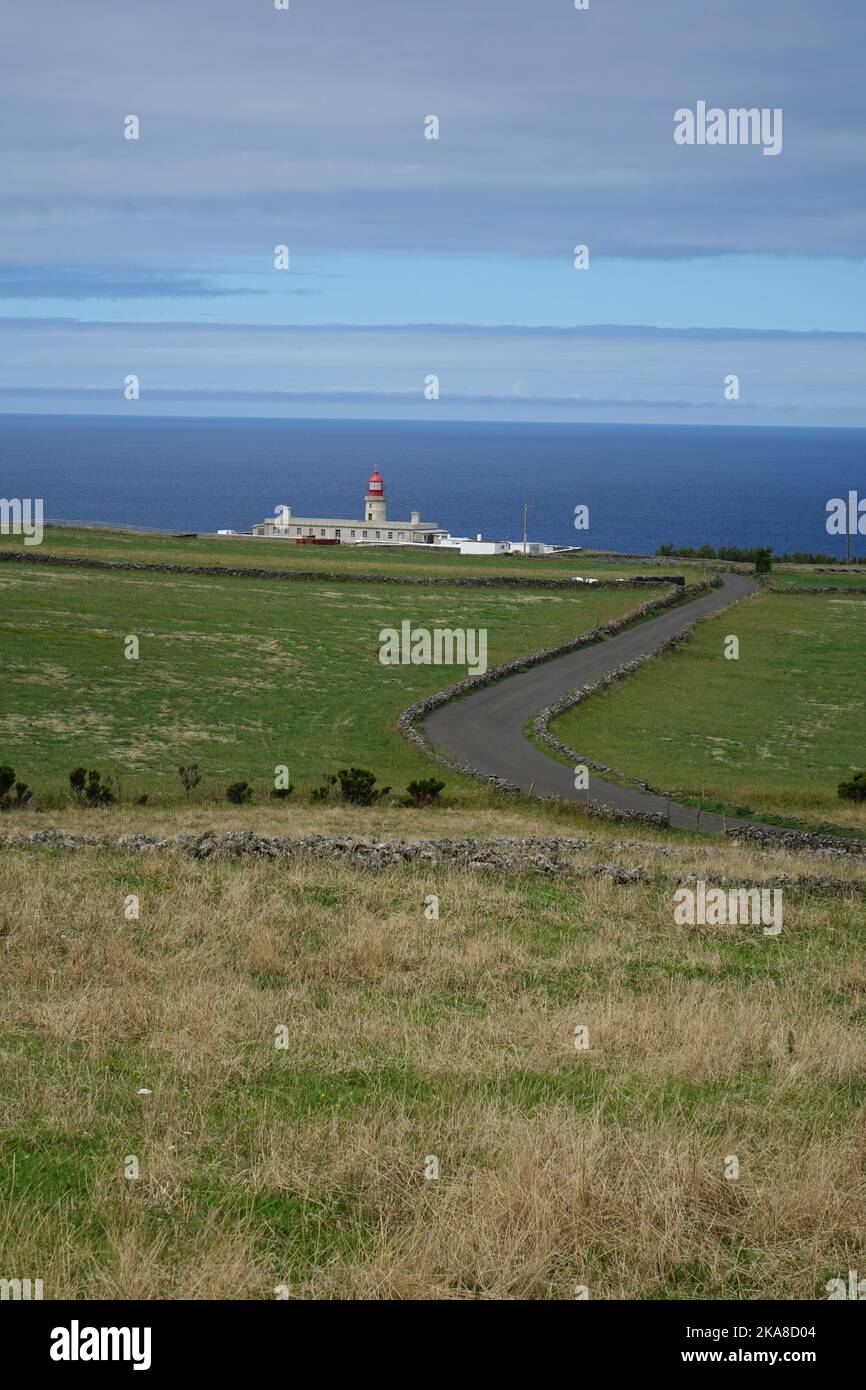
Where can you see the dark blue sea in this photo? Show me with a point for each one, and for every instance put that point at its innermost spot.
(643, 484)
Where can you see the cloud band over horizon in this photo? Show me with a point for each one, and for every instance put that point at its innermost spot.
(412, 257)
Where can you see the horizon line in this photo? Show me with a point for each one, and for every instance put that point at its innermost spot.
(389, 420)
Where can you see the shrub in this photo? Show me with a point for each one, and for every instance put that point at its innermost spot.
(239, 793)
(189, 776)
(23, 794)
(761, 557)
(854, 788)
(281, 793)
(97, 792)
(77, 779)
(356, 786)
(329, 791)
(7, 781)
(763, 560)
(423, 792)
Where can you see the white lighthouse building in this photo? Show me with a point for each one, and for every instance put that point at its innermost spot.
(374, 528)
(374, 501)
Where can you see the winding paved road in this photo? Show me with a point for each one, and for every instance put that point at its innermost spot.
(485, 729)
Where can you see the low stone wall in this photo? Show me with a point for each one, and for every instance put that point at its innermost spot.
(789, 883)
(537, 855)
(794, 840)
(482, 581)
(546, 855)
(810, 589)
(602, 810)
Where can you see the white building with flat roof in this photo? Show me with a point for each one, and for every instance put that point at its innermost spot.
(479, 546)
(374, 529)
(482, 547)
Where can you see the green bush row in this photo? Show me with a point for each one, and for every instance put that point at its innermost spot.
(356, 785)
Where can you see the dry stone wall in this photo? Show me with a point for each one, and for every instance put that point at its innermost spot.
(477, 581)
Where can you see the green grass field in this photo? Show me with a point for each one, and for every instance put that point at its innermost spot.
(775, 730)
(156, 1144)
(104, 544)
(813, 579)
(259, 1169)
(238, 675)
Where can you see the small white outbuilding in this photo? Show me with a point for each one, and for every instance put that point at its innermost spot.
(482, 547)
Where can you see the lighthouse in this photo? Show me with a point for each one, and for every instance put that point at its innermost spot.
(374, 528)
(374, 501)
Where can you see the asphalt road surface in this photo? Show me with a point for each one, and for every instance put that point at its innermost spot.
(485, 729)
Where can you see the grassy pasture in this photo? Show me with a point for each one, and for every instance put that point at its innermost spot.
(775, 730)
(261, 1167)
(813, 579)
(107, 544)
(239, 675)
(407, 1038)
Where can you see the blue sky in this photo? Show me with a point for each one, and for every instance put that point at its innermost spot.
(411, 257)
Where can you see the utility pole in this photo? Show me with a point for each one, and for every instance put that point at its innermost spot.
(525, 510)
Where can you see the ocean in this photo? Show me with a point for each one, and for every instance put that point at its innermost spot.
(643, 484)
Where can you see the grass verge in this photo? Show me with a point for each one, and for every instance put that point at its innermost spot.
(407, 1040)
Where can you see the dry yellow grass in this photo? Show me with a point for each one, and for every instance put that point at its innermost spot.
(407, 1039)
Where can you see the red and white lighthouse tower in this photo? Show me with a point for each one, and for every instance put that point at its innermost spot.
(374, 501)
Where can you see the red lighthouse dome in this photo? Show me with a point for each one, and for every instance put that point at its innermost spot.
(376, 484)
